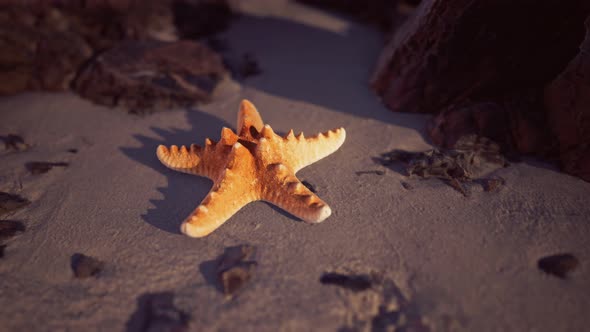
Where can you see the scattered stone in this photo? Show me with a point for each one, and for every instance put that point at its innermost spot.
(10, 202)
(145, 76)
(356, 283)
(376, 172)
(14, 143)
(40, 167)
(309, 186)
(559, 265)
(568, 111)
(236, 268)
(406, 185)
(73, 151)
(157, 312)
(10, 228)
(493, 184)
(85, 266)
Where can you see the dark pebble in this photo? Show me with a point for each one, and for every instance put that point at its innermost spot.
(10, 202)
(2, 247)
(10, 228)
(355, 283)
(157, 312)
(85, 266)
(14, 142)
(236, 268)
(407, 186)
(40, 167)
(73, 150)
(558, 265)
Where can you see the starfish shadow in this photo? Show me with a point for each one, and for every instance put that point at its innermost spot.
(183, 191)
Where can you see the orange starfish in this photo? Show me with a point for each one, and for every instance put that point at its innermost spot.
(256, 164)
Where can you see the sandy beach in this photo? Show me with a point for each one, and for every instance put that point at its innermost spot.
(435, 259)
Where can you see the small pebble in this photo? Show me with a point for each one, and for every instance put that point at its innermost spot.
(40, 167)
(85, 266)
(236, 268)
(10, 228)
(14, 142)
(355, 283)
(11, 202)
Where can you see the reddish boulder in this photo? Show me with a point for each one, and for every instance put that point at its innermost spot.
(451, 51)
(567, 100)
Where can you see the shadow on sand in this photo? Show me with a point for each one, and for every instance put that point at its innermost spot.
(183, 191)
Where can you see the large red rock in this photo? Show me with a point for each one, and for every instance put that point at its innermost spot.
(452, 51)
(567, 100)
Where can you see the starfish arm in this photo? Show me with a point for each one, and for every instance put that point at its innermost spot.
(233, 189)
(180, 159)
(302, 151)
(248, 117)
(288, 193)
(196, 160)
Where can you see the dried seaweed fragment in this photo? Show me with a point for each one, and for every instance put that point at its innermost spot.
(471, 157)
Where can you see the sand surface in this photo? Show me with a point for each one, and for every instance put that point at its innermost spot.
(436, 257)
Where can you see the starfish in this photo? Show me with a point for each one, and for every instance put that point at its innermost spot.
(254, 164)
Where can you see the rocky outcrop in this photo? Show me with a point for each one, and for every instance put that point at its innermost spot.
(486, 68)
(567, 101)
(46, 44)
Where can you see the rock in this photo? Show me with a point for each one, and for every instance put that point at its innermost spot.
(157, 312)
(150, 75)
(14, 143)
(11, 202)
(453, 51)
(567, 99)
(40, 167)
(236, 268)
(559, 265)
(493, 184)
(2, 248)
(356, 283)
(85, 266)
(10, 228)
(45, 44)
